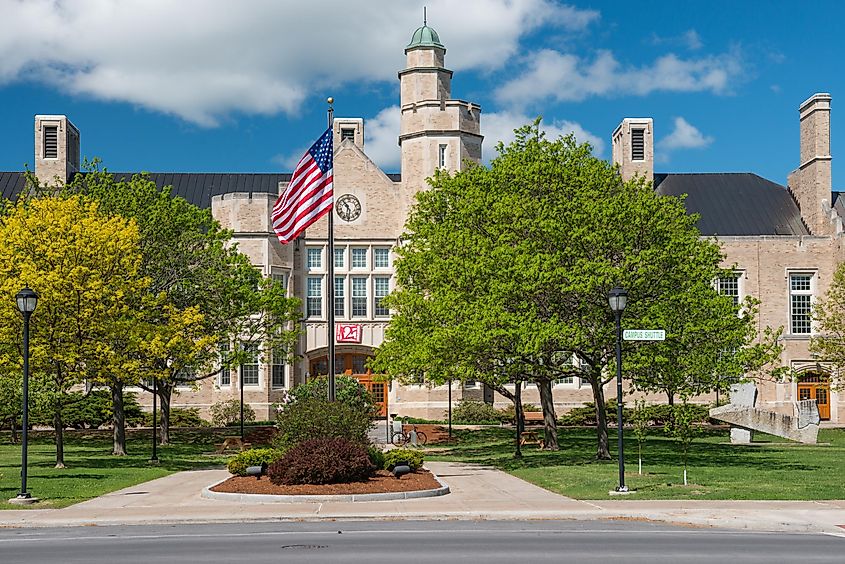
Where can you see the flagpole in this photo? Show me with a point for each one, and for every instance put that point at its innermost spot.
(330, 281)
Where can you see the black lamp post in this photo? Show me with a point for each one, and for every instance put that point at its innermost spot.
(26, 300)
(618, 299)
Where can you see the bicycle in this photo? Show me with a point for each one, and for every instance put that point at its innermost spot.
(402, 438)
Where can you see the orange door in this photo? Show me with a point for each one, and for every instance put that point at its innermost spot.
(818, 392)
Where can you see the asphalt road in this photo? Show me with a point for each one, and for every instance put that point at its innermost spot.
(406, 542)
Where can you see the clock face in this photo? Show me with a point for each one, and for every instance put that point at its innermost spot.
(348, 207)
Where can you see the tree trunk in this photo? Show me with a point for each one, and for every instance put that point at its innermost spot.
(165, 392)
(549, 416)
(118, 420)
(670, 397)
(602, 451)
(14, 425)
(58, 426)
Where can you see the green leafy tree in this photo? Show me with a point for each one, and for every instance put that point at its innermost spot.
(829, 315)
(208, 292)
(85, 267)
(683, 429)
(504, 271)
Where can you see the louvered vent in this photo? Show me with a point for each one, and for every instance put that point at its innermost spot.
(51, 142)
(638, 144)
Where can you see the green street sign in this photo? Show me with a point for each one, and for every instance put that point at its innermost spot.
(644, 335)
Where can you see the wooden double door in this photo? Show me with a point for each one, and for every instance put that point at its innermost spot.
(815, 387)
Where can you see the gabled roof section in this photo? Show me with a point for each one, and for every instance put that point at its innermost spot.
(199, 187)
(11, 184)
(740, 203)
(195, 187)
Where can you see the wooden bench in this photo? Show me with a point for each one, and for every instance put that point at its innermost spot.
(232, 443)
(532, 417)
(531, 437)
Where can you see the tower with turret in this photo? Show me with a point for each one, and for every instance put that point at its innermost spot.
(437, 131)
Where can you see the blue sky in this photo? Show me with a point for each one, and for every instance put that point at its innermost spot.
(221, 86)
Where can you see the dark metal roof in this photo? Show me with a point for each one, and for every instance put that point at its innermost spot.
(199, 187)
(11, 184)
(739, 203)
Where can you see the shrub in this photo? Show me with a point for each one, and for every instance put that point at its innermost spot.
(474, 412)
(228, 412)
(322, 461)
(180, 417)
(91, 411)
(376, 456)
(348, 390)
(316, 418)
(252, 457)
(414, 458)
(658, 414)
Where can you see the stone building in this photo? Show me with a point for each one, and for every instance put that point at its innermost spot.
(785, 242)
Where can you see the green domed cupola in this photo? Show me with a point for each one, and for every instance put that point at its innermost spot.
(425, 37)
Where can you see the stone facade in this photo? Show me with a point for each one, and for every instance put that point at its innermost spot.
(439, 132)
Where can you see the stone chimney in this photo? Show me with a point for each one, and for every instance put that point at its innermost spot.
(56, 149)
(351, 129)
(633, 148)
(810, 183)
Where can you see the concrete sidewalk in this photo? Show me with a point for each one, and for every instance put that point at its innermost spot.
(477, 493)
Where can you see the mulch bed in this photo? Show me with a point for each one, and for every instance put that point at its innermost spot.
(382, 482)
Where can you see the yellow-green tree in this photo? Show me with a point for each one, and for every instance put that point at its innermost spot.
(84, 266)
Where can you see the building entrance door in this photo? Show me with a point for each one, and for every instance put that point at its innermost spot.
(816, 387)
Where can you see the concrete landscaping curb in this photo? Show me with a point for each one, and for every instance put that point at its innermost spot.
(270, 498)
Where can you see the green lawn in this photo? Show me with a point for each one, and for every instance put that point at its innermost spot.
(91, 469)
(717, 469)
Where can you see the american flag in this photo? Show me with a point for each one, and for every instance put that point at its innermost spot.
(308, 197)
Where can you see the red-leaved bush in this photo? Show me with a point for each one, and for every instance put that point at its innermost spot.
(322, 461)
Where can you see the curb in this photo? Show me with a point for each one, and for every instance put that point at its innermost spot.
(271, 498)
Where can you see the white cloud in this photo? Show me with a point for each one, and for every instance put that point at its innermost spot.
(689, 39)
(499, 126)
(203, 60)
(566, 77)
(684, 136)
(381, 139)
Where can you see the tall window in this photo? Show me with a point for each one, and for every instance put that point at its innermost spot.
(339, 257)
(277, 369)
(314, 297)
(225, 378)
(441, 156)
(315, 258)
(382, 288)
(359, 296)
(800, 303)
(381, 257)
(339, 296)
(359, 258)
(638, 144)
(280, 278)
(729, 286)
(249, 369)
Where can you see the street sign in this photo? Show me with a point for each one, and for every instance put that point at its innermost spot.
(644, 335)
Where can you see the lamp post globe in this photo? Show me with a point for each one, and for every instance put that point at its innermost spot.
(618, 299)
(27, 301)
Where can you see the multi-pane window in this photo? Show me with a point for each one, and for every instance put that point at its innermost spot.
(441, 156)
(315, 258)
(339, 296)
(359, 258)
(280, 278)
(225, 378)
(729, 286)
(249, 369)
(800, 303)
(339, 258)
(359, 296)
(382, 288)
(277, 369)
(381, 257)
(314, 296)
